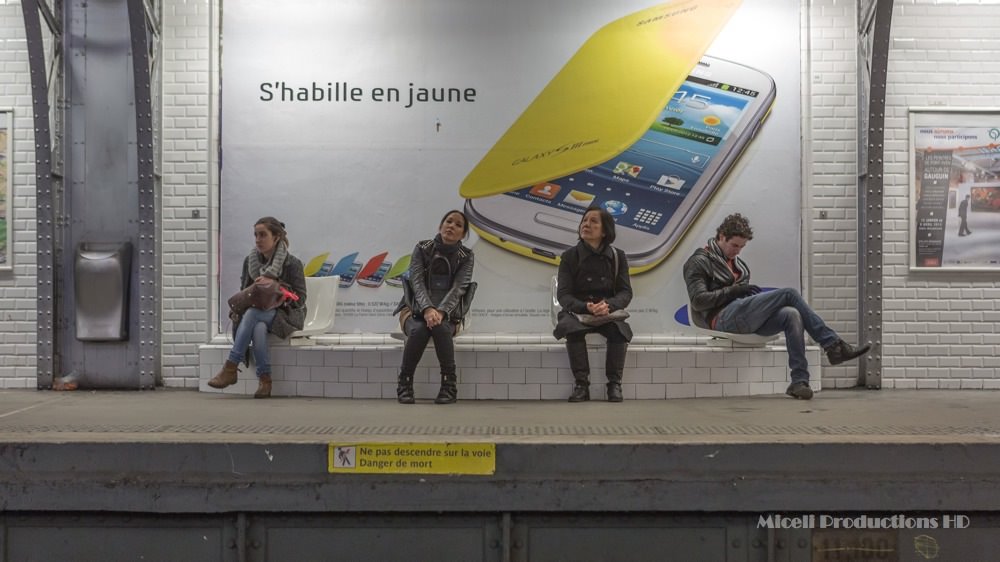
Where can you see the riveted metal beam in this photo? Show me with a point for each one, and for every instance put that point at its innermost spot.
(149, 302)
(55, 27)
(873, 59)
(45, 200)
(152, 20)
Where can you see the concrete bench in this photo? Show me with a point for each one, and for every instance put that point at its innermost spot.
(522, 366)
(498, 366)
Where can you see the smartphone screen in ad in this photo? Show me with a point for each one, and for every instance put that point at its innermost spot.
(643, 186)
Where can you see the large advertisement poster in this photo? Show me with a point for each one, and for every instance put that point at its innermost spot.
(955, 189)
(360, 124)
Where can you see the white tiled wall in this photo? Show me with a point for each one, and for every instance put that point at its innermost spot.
(832, 101)
(939, 330)
(17, 287)
(189, 185)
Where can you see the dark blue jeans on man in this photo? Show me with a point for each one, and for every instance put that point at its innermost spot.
(781, 310)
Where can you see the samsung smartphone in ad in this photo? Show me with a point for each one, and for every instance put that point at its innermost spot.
(656, 187)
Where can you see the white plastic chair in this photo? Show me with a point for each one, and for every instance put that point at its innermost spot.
(321, 306)
(554, 307)
(728, 338)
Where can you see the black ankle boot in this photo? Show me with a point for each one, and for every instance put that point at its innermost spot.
(404, 389)
(614, 366)
(580, 365)
(581, 392)
(449, 390)
(615, 392)
(842, 351)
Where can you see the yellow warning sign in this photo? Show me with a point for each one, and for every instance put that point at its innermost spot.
(412, 458)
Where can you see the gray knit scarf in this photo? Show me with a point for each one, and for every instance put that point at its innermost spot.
(715, 251)
(270, 269)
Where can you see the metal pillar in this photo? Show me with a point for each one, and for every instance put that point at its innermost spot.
(149, 303)
(53, 219)
(45, 199)
(873, 60)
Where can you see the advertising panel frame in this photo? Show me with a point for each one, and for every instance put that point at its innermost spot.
(957, 138)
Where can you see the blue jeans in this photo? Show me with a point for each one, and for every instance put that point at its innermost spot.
(781, 310)
(254, 326)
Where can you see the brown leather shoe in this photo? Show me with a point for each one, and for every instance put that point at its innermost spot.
(226, 377)
(264, 387)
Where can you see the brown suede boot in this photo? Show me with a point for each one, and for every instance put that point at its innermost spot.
(226, 377)
(264, 388)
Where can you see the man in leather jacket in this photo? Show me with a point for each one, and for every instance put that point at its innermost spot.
(722, 298)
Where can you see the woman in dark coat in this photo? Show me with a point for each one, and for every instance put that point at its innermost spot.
(440, 276)
(268, 259)
(593, 279)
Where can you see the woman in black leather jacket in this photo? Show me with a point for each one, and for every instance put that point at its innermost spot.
(440, 275)
(593, 279)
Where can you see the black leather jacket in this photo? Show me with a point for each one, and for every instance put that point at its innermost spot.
(711, 286)
(424, 296)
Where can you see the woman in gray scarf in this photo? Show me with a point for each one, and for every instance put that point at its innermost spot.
(268, 259)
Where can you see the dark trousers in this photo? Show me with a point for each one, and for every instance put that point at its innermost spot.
(579, 363)
(963, 229)
(418, 334)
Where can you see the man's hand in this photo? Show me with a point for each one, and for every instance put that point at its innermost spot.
(746, 290)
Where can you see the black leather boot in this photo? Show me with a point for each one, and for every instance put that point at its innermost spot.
(842, 351)
(404, 389)
(449, 389)
(580, 366)
(614, 365)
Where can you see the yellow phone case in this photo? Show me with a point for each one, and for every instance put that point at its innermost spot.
(605, 97)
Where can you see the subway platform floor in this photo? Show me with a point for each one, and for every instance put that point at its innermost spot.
(167, 415)
(179, 451)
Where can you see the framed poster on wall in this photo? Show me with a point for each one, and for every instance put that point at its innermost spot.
(954, 189)
(6, 164)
